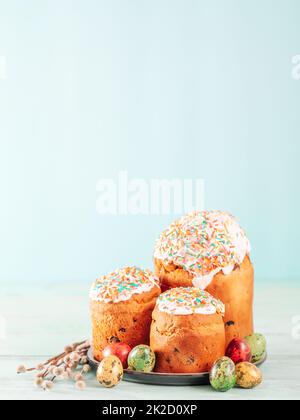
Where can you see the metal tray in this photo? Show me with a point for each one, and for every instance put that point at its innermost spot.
(170, 379)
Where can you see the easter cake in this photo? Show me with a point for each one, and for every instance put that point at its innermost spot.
(121, 305)
(209, 250)
(187, 331)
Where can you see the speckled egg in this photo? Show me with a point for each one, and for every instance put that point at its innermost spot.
(141, 358)
(110, 371)
(258, 345)
(222, 374)
(247, 375)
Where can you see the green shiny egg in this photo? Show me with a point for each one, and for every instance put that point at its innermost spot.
(222, 375)
(258, 345)
(141, 358)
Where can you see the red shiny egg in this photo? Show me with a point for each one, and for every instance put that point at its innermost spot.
(121, 350)
(239, 351)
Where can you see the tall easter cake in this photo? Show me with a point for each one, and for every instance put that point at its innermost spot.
(209, 250)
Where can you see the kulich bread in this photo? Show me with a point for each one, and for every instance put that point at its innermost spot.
(211, 251)
(236, 290)
(121, 305)
(187, 331)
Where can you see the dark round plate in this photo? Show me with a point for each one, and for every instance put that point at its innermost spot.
(153, 378)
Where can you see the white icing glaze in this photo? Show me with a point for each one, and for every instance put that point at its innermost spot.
(203, 244)
(122, 284)
(188, 301)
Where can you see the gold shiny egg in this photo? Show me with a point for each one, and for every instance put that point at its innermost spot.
(247, 375)
(110, 371)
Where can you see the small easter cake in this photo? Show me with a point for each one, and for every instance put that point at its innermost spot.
(187, 331)
(209, 250)
(121, 305)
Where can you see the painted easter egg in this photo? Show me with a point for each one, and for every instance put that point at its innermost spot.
(239, 351)
(121, 350)
(110, 371)
(247, 375)
(258, 346)
(141, 358)
(222, 374)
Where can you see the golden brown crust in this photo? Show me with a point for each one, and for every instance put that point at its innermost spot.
(171, 276)
(186, 343)
(127, 321)
(235, 290)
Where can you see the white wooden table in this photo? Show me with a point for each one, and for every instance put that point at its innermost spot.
(40, 321)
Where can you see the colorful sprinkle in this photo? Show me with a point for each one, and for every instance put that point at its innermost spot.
(203, 243)
(122, 284)
(189, 300)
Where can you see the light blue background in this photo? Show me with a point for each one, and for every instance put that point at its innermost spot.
(161, 88)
